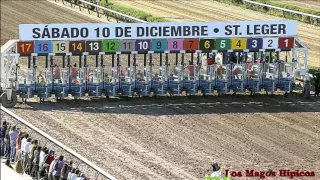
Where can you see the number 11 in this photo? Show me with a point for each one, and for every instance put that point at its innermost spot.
(125, 45)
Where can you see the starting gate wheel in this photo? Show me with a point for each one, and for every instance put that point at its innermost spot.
(9, 103)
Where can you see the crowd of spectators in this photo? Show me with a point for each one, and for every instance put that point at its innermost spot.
(26, 155)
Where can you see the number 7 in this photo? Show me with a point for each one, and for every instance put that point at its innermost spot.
(191, 42)
(28, 46)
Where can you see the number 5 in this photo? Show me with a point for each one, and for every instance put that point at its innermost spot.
(223, 43)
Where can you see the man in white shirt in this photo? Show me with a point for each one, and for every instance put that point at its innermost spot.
(26, 152)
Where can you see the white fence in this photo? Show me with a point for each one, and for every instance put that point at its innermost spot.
(99, 10)
(5, 112)
(282, 9)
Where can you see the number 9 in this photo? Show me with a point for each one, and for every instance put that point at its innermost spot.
(159, 45)
(207, 44)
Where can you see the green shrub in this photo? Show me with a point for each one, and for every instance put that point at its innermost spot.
(288, 15)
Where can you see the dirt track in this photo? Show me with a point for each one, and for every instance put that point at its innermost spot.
(213, 11)
(175, 138)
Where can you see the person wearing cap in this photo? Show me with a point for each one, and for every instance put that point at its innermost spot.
(216, 170)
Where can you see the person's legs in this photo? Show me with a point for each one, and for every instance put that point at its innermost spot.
(2, 147)
(12, 152)
(56, 177)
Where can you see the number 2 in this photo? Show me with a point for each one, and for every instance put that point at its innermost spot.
(23, 47)
(270, 42)
(254, 43)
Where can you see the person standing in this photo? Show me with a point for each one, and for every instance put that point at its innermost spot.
(3, 130)
(57, 168)
(13, 134)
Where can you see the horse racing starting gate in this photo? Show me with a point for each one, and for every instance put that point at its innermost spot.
(78, 60)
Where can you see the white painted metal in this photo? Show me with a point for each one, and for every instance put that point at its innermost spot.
(283, 9)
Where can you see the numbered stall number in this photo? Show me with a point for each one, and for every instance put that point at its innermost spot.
(60, 46)
(110, 45)
(93, 46)
(270, 43)
(206, 44)
(143, 45)
(191, 44)
(286, 43)
(77, 46)
(43, 47)
(159, 45)
(223, 44)
(175, 44)
(25, 47)
(127, 45)
(238, 43)
(254, 43)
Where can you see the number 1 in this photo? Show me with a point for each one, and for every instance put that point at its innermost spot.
(287, 42)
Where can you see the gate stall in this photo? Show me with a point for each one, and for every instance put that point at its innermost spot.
(126, 60)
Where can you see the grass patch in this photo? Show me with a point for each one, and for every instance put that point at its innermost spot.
(132, 12)
(280, 13)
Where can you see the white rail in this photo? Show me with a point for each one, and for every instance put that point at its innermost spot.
(108, 10)
(93, 166)
(283, 9)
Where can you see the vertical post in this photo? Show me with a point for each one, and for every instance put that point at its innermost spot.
(69, 69)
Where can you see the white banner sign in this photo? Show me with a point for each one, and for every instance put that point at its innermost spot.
(157, 30)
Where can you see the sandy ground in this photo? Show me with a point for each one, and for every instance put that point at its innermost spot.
(185, 11)
(174, 138)
(309, 4)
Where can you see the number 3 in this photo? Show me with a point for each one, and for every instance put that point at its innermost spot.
(254, 43)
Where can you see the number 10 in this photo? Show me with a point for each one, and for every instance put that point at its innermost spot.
(143, 45)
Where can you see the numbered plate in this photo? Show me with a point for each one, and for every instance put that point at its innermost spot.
(270, 43)
(191, 44)
(60, 46)
(43, 47)
(93, 46)
(286, 42)
(223, 44)
(238, 43)
(25, 47)
(127, 45)
(254, 43)
(206, 44)
(143, 45)
(110, 45)
(175, 44)
(77, 46)
(159, 45)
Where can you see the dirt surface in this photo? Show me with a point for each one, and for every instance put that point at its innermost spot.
(184, 11)
(174, 138)
(309, 4)
(179, 138)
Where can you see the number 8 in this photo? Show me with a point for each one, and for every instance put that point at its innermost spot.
(175, 44)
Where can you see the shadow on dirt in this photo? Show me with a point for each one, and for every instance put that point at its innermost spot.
(183, 105)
